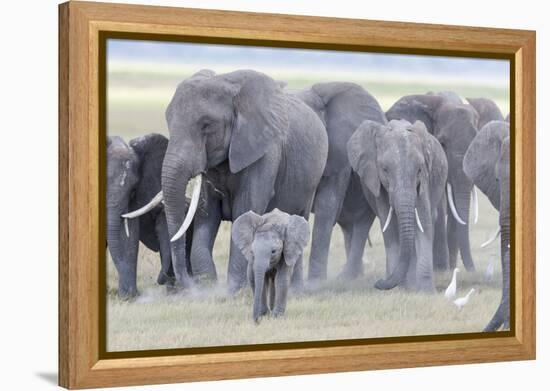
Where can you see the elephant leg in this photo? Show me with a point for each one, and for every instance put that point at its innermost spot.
(452, 239)
(297, 279)
(166, 275)
(360, 232)
(440, 245)
(326, 207)
(281, 282)
(347, 231)
(205, 229)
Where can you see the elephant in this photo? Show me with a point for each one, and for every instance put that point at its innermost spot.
(272, 244)
(487, 109)
(454, 125)
(257, 147)
(403, 170)
(339, 199)
(487, 163)
(133, 177)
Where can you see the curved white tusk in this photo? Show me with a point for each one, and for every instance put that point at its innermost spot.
(491, 239)
(144, 209)
(452, 204)
(126, 228)
(418, 221)
(192, 209)
(475, 205)
(388, 219)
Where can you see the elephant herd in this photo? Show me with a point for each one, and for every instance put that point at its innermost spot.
(264, 157)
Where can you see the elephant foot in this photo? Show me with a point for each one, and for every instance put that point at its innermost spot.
(350, 273)
(165, 278)
(207, 280)
(128, 295)
(277, 312)
(469, 266)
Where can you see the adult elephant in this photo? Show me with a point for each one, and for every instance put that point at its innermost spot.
(487, 109)
(454, 125)
(403, 170)
(133, 178)
(487, 163)
(265, 146)
(339, 199)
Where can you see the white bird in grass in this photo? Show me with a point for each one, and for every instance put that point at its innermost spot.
(462, 301)
(450, 292)
(490, 272)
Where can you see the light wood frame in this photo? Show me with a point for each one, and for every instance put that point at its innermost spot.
(80, 361)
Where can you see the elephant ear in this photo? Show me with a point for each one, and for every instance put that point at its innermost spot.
(481, 158)
(261, 108)
(362, 154)
(435, 170)
(150, 144)
(109, 141)
(487, 110)
(242, 232)
(296, 238)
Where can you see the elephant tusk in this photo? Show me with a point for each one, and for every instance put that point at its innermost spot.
(418, 220)
(491, 239)
(192, 208)
(452, 204)
(388, 219)
(126, 228)
(144, 209)
(475, 204)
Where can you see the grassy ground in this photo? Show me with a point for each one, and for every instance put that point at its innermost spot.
(336, 310)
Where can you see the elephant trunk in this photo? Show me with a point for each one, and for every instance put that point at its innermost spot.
(462, 196)
(259, 280)
(175, 177)
(122, 244)
(406, 219)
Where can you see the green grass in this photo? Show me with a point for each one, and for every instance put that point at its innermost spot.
(334, 310)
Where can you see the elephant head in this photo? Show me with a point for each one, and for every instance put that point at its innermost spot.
(271, 241)
(484, 157)
(487, 109)
(455, 126)
(214, 119)
(405, 166)
(122, 234)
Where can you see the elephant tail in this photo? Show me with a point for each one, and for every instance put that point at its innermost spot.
(396, 278)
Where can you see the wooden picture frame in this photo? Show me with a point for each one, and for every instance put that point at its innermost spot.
(82, 360)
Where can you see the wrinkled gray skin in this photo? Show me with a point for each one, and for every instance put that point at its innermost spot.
(133, 178)
(487, 109)
(259, 148)
(487, 162)
(339, 198)
(272, 245)
(402, 166)
(454, 125)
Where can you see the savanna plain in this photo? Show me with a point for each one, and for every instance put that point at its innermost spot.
(335, 309)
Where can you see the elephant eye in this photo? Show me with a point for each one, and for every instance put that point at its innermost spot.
(273, 251)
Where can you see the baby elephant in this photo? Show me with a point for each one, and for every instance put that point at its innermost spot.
(272, 244)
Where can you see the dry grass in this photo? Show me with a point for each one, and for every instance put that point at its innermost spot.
(335, 310)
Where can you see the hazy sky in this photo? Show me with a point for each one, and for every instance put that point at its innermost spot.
(222, 57)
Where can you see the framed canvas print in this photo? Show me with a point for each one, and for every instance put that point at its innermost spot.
(247, 195)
